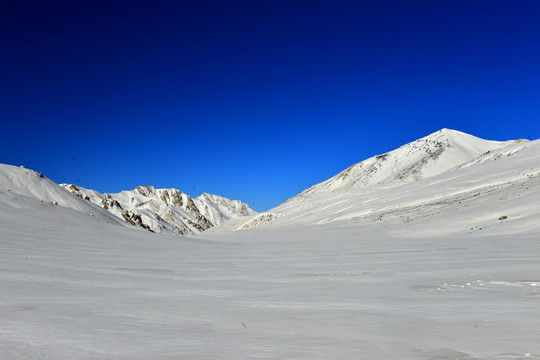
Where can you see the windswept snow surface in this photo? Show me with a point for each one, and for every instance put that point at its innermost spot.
(445, 267)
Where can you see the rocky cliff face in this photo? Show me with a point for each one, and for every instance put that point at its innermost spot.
(166, 210)
(218, 209)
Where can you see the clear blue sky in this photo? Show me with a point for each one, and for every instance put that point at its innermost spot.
(255, 100)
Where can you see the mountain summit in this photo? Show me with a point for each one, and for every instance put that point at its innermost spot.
(166, 210)
(422, 158)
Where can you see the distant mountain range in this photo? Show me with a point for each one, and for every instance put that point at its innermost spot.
(444, 170)
(157, 210)
(166, 210)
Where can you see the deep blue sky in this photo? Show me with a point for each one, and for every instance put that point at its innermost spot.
(255, 100)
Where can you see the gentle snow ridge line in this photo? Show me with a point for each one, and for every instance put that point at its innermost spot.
(423, 158)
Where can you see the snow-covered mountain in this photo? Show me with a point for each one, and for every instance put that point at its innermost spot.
(420, 159)
(157, 210)
(166, 210)
(27, 183)
(445, 171)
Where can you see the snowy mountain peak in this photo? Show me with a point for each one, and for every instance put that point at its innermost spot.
(219, 209)
(422, 158)
(454, 171)
(453, 138)
(166, 210)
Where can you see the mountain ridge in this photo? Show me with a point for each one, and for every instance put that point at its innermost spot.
(423, 174)
(425, 157)
(166, 209)
(367, 191)
(32, 184)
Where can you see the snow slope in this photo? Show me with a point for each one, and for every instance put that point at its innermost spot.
(24, 182)
(503, 176)
(344, 197)
(166, 210)
(423, 158)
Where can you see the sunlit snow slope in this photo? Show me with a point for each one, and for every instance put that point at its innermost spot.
(411, 183)
(423, 158)
(22, 182)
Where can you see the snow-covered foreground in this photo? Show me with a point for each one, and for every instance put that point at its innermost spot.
(74, 287)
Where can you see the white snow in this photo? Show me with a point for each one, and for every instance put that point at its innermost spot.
(440, 267)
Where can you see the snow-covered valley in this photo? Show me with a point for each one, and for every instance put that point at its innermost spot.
(440, 262)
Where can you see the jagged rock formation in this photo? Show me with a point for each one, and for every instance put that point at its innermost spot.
(218, 209)
(166, 210)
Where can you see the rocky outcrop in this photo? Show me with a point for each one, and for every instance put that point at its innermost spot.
(166, 210)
